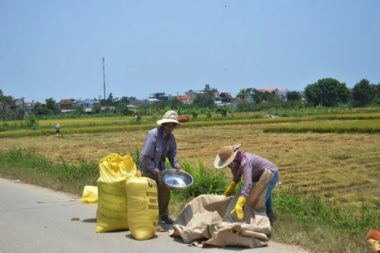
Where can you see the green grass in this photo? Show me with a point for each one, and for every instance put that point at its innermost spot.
(205, 181)
(350, 116)
(313, 209)
(319, 225)
(320, 110)
(24, 165)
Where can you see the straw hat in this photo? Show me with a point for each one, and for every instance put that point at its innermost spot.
(226, 155)
(169, 117)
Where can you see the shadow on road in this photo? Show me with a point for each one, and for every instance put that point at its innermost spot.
(89, 220)
(129, 236)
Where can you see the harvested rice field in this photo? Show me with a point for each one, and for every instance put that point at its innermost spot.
(343, 167)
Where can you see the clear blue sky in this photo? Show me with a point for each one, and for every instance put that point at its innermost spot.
(55, 48)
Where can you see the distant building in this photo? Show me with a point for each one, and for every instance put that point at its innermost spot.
(158, 96)
(18, 104)
(135, 102)
(67, 105)
(28, 106)
(218, 101)
(227, 98)
(153, 100)
(185, 99)
(192, 94)
(89, 105)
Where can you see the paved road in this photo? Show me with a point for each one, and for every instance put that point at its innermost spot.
(34, 219)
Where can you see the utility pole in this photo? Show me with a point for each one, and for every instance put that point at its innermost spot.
(104, 80)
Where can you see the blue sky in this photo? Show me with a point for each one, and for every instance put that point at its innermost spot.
(55, 48)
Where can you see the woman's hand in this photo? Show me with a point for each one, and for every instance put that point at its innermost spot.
(239, 207)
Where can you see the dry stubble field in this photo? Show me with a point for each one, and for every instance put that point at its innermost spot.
(341, 167)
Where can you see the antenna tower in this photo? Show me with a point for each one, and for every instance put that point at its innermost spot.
(104, 80)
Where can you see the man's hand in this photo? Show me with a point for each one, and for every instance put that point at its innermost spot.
(158, 175)
(177, 167)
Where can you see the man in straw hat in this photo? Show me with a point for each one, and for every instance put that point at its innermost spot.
(249, 166)
(159, 145)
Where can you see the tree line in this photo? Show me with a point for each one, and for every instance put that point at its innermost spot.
(327, 92)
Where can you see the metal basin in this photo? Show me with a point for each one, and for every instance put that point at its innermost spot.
(176, 180)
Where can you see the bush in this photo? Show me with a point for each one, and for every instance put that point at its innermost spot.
(31, 121)
(206, 181)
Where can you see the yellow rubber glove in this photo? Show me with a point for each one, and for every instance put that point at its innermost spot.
(239, 207)
(230, 189)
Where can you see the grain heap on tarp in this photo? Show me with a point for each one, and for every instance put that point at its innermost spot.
(206, 220)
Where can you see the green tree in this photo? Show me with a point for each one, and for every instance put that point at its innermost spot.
(363, 93)
(51, 106)
(245, 94)
(108, 101)
(40, 110)
(206, 98)
(194, 112)
(327, 92)
(123, 109)
(122, 100)
(222, 110)
(293, 96)
(377, 94)
(31, 121)
(5, 99)
(264, 96)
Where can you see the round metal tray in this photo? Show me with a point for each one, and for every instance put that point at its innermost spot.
(178, 180)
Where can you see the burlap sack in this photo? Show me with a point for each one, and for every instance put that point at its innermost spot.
(206, 220)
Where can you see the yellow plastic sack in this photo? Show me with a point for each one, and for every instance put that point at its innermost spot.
(114, 170)
(142, 207)
(90, 195)
(115, 167)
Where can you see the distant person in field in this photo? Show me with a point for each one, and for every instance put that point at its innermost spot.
(250, 167)
(57, 129)
(137, 118)
(159, 145)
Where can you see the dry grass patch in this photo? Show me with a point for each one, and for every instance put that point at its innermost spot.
(290, 231)
(343, 167)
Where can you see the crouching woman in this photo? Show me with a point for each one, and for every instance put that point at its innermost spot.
(250, 167)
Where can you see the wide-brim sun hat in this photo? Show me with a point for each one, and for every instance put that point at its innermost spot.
(226, 155)
(169, 117)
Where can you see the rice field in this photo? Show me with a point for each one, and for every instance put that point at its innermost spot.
(341, 166)
(329, 126)
(368, 122)
(119, 124)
